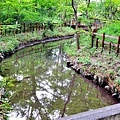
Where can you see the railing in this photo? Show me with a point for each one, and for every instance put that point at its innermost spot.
(103, 43)
(21, 28)
(111, 112)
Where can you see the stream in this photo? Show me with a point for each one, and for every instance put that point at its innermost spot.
(43, 88)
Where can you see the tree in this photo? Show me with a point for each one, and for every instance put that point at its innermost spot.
(88, 4)
(74, 6)
(64, 10)
(110, 9)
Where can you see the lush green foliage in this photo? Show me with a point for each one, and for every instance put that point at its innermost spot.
(27, 11)
(70, 49)
(111, 29)
(20, 11)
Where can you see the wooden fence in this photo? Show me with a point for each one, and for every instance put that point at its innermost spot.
(103, 42)
(21, 28)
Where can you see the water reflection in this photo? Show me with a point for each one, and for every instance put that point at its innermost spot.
(47, 89)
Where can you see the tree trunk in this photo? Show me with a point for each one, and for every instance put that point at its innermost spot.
(74, 6)
(88, 4)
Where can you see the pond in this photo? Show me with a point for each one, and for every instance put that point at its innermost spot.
(44, 88)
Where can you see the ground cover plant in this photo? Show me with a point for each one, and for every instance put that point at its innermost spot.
(97, 63)
(111, 29)
(9, 43)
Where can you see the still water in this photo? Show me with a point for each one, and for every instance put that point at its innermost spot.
(46, 89)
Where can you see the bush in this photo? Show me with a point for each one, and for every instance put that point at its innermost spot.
(111, 29)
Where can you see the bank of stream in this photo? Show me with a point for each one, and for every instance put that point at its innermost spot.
(41, 87)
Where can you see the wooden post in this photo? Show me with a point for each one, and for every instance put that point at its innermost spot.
(9, 30)
(43, 26)
(33, 27)
(103, 39)
(93, 36)
(36, 26)
(109, 47)
(20, 28)
(16, 31)
(78, 44)
(117, 49)
(1, 32)
(76, 38)
(97, 43)
(39, 27)
(30, 27)
(24, 27)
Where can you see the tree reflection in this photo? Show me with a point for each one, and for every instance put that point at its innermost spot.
(47, 89)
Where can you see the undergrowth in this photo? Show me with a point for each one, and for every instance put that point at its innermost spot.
(10, 42)
(112, 29)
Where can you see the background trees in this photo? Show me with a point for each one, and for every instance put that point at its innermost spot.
(59, 11)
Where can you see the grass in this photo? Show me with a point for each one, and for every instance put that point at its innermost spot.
(84, 52)
(111, 29)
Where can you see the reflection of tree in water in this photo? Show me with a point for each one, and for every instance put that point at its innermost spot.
(47, 89)
(34, 71)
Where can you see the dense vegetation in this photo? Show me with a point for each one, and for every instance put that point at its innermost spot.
(20, 11)
(59, 11)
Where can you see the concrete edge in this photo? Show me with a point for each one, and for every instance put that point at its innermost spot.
(96, 114)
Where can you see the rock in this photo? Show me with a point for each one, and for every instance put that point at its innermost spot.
(78, 70)
(95, 79)
(74, 67)
(89, 76)
(81, 71)
(107, 87)
(100, 81)
(115, 95)
(2, 91)
(68, 63)
(1, 78)
(1, 57)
